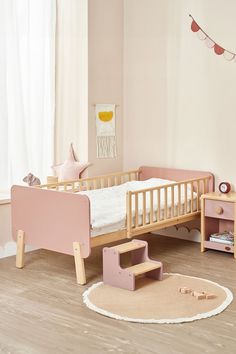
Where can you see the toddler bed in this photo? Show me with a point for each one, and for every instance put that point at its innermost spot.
(72, 217)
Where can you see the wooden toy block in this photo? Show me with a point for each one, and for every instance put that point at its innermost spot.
(210, 296)
(185, 290)
(201, 296)
(198, 295)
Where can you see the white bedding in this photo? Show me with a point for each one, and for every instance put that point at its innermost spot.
(108, 205)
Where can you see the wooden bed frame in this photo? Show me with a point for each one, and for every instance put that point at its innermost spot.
(53, 217)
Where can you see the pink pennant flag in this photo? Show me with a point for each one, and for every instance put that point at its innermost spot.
(218, 50)
(194, 26)
(210, 43)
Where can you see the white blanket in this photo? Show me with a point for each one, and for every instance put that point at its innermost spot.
(108, 205)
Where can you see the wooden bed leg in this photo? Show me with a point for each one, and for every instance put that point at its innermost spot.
(79, 264)
(20, 249)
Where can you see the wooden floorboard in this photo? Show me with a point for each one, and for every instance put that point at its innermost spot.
(41, 308)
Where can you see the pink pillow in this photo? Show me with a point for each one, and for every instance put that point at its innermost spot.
(71, 168)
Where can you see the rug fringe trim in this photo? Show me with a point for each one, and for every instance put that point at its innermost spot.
(219, 309)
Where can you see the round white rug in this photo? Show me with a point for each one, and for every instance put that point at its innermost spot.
(158, 301)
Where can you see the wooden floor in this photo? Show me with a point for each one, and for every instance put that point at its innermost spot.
(41, 309)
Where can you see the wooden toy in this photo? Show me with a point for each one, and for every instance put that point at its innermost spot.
(124, 278)
(185, 290)
(210, 296)
(198, 295)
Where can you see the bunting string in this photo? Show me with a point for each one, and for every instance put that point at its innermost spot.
(210, 43)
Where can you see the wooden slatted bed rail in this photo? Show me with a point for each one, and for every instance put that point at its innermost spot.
(157, 207)
(90, 183)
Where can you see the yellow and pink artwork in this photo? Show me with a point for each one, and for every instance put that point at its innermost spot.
(105, 116)
(106, 130)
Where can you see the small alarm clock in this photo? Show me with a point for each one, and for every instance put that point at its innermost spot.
(224, 187)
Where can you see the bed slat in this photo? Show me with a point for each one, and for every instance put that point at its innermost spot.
(181, 204)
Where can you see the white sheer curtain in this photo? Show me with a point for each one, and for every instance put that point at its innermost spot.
(27, 88)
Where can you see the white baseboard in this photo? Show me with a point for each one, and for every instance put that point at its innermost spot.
(10, 249)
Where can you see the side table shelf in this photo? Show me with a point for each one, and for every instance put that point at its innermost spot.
(218, 214)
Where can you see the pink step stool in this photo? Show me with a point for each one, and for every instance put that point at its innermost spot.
(124, 278)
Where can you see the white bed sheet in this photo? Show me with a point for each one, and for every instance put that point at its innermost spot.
(108, 205)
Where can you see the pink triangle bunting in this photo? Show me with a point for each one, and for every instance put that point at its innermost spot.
(219, 50)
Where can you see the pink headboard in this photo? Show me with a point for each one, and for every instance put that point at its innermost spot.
(174, 174)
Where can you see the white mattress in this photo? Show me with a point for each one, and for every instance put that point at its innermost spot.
(108, 205)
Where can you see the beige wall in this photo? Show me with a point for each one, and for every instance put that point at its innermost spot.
(71, 80)
(105, 78)
(105, 69)
(179, 97)
(145, 27)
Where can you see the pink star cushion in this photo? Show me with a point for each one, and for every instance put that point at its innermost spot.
(71, 168)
